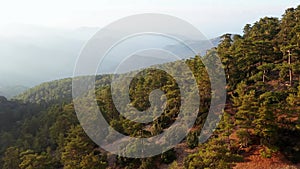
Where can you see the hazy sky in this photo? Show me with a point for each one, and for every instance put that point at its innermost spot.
(40, 39)
(212, 17)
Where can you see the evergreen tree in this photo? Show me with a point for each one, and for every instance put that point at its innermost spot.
(247, 111)
(32, 160)
(79, 151)
(11, 158)
(265, 122)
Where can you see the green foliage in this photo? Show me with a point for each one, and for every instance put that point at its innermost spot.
(147, 163)
(58, 91)
(79, 151)
(265, 122)
(215, 155)
(192, 140)
(31, 160)
(267, 152)
(244, 137)
(39, 129)
(174, 165)
(168, 156)
(246, 113)
(11, 158)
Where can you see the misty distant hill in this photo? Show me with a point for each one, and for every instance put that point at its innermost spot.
(35, 54)
(10, 91)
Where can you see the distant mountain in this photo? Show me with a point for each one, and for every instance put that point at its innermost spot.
(10, 91)
(57, 91)
(36, 54)
(201, 46)
(54, 92)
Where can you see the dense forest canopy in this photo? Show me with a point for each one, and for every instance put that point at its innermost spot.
(39, 128)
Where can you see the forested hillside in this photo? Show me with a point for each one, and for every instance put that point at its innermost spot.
(40, 130)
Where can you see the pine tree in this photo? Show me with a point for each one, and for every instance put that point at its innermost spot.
(247, 111)
(79, 151)
(32, 160)
(213, 154)
(11, 158)
(265, 123)
(288, 38)
(223, 51)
